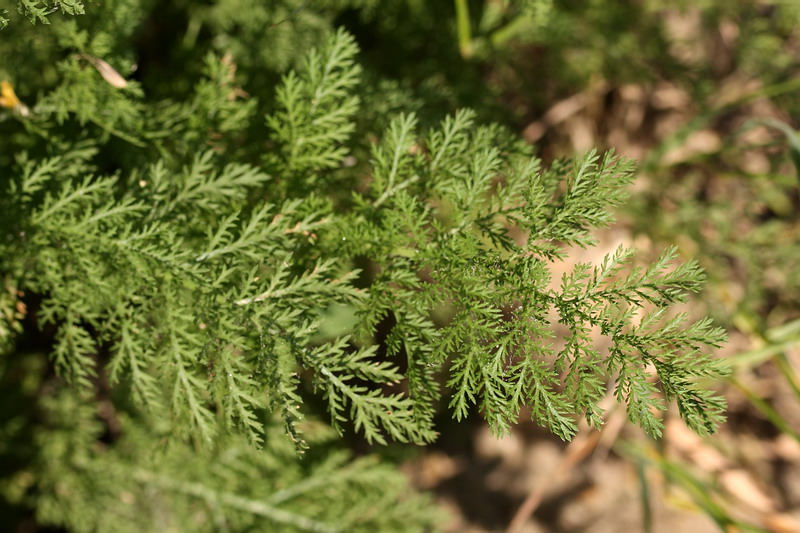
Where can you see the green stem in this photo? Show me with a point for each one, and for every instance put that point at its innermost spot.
(647, 509)
(767, 410)
(507, 32)
(464, 30)
(785, 366)
(234, 501)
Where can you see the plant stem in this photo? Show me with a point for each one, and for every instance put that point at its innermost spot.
(464, 30)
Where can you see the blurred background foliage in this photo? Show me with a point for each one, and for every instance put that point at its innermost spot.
(705, 94)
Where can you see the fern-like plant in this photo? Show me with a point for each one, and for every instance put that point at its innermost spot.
(203, 298)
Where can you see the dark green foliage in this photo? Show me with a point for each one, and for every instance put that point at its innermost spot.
(207, 269)
(137, 485)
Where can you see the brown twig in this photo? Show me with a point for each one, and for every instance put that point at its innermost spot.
(579, 449)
